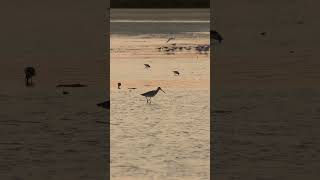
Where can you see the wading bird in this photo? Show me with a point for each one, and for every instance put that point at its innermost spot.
(119, 85)
(216, 36)
(29, 72)
(151, 94)
(105, 104)
(176, 73)
(147, 66)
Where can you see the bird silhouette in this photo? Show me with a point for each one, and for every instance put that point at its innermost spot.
(147, 66)
(176, 73)
(29, 73)
(151, 94)
(119, 85)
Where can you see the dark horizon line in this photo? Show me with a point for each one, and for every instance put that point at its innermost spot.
(159, 4)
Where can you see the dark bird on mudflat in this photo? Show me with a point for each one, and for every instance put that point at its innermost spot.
(216, 36)
(151, 94)
(29, 73)
(147, 66)
(176, 73)
(105, 104)
(119, 85)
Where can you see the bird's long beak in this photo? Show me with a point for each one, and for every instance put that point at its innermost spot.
(162, 90)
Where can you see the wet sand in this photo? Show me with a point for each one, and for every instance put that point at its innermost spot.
(169, 138)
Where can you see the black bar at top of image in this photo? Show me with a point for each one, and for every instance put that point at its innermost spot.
(160, 4)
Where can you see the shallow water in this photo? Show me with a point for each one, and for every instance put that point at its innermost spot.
(169, 138)
(45, 134)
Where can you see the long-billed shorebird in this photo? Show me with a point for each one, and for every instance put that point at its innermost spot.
(147, 66)
(29, 72)
(151, 94)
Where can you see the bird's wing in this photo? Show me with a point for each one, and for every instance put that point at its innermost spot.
(147, 93)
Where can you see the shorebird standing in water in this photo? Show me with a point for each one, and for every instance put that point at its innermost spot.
(29, 72)
(176, 73)
(119, 85)
(151, 94)
(147, 66)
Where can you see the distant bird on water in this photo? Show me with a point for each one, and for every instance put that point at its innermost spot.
(105, 104)
(147, 66)
(29, 72)
(119, 85)
(176, 73)
(151, 94)
(216, 36)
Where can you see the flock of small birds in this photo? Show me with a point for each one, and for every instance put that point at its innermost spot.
(215, 35)
(170, 49)
(173, 48)
(152, 93)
